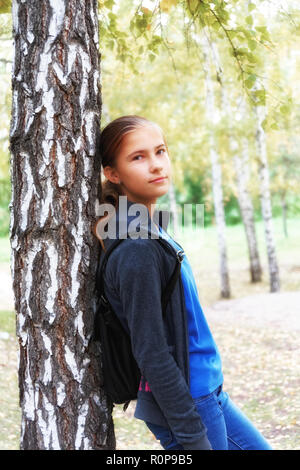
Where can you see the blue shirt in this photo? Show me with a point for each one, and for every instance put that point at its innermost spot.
(205, 361)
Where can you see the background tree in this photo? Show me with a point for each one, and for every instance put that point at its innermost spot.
(241, 164)
(265, 196)
(213, 118)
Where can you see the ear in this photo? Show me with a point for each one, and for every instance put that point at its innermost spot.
(111, 174)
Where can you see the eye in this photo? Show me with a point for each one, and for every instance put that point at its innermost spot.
(161, 150)
(134, 158)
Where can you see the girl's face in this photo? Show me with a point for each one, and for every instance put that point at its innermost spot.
(142, 158)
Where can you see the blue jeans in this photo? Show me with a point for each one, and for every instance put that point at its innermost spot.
(227, 427)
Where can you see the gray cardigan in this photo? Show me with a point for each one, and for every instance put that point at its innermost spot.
(137, 271)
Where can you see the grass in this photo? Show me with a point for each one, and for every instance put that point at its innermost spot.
(265, 357)
(4, 250)
(7, 322)
(202, 251)
(261, 377)
(10, 414)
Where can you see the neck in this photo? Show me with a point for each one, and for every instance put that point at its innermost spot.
(151, 205)
(153, 219)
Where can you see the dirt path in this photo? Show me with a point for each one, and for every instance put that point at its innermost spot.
(258, 339)
(278, 310)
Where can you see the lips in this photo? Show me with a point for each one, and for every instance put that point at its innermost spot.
(161, 178)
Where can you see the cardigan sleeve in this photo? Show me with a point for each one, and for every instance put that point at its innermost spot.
(136, 275)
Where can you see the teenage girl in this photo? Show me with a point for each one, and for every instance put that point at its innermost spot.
(181, 397)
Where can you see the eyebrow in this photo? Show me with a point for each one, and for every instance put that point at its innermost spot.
(144, 150)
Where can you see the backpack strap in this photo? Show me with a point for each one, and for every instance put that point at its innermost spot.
(100, 271)
(169, 287)
(172, 281)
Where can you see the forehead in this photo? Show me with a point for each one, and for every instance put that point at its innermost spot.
(146, 135)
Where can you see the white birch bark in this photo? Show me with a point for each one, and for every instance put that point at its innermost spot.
(284, 211)
(55, 124)
(265, 197)
(246, 207)
(241, 165)
(173, 209)
(212, 114)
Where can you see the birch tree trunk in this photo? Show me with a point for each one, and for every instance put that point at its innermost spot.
(247, 211)
(284, 212)
(265, 198)
(241, 165)
(173, 209)
(55, 168)
(212, 114)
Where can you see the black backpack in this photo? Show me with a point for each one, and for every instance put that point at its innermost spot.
(120, 372)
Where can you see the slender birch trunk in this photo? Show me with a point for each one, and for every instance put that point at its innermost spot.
(173, 209)
(265, 198)
(212, 114)
(284, 212)
(54, 129)
(241, 165)
(247, 211)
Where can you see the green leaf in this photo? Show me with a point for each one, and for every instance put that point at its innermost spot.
(252, 58)
(249, 82)
(274, 126)
(216, 25)
(261, 29)
(252, 44)
(109, 4)
(249, 20)
(265, 36)
(111, 44)
(264, 124)
(132, 25)
(5, 6)
(141, 23)
(152, 56)
(157, 39)
(260, 96)
(231, 33)
(203, 8)
(284, 109)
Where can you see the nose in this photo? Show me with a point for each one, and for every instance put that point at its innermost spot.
(155, 163)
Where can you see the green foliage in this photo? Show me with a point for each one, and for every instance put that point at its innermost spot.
(4, 222)
(259, 97)
(232, 211)
(166, 5)
(194, 193)
(250, 80)
(7, 321)
(132, 42)
(243, 39)
(5, 189)
(148, 70)
(5, 6)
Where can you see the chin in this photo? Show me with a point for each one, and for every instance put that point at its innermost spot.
(163, 191)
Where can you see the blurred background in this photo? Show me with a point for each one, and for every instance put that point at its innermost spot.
(222, 81)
